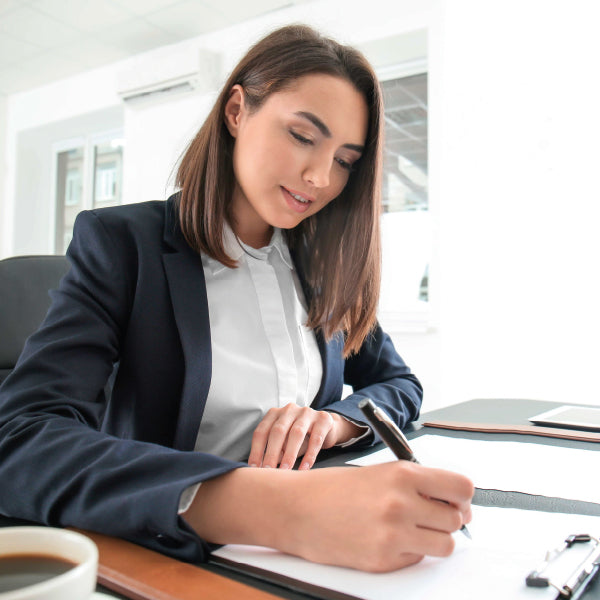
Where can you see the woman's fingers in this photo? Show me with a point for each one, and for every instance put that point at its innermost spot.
(286, 437)
(437, 517)
(286, 433)
(385, 508)
(260, 438)
(322, 426)
(446, 490)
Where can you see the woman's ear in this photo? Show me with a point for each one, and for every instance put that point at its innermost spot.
(234, 109)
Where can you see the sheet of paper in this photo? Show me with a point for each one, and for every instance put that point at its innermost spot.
(509, 466)
(507, 544)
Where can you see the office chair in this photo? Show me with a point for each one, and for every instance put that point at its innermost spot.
(24, 285)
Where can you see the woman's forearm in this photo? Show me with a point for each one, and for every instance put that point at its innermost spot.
(377, 518)
(243, 506)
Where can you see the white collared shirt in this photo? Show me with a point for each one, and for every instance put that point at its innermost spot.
(263, 356)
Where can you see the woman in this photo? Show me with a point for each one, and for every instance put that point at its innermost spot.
(217, 328)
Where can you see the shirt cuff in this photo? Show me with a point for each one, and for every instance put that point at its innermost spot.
(187, 497)
(366, 432)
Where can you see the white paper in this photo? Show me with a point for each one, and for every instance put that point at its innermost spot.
(507, 544)
(508, 466)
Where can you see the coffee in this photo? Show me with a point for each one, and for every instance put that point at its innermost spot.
(20, 570)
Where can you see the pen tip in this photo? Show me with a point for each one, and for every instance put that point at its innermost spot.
(466, 531)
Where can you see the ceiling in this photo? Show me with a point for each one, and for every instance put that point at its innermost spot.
(45, 40)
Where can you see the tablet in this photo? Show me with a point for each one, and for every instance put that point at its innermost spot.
(573, 417)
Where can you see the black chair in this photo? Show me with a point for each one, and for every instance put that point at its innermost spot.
(24, 300)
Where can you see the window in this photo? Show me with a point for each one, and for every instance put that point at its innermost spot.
(89, 174)
(107, 174)
(405, 159)
(406, 223)
(69, 193)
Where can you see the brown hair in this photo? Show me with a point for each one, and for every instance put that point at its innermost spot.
(338, 248)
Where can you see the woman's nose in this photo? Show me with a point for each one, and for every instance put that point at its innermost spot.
(317, 173)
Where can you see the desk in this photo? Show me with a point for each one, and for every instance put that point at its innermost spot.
(506, 412)
(500, 411)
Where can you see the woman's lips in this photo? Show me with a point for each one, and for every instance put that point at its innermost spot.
(294, 202)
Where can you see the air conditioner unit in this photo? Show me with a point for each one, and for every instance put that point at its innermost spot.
(165, 73)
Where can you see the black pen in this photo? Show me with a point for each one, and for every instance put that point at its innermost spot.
(393, 437)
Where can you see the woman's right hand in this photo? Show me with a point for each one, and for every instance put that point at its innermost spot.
(383, 517)
(377, 518)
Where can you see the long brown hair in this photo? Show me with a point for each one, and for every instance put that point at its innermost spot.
(338, 248)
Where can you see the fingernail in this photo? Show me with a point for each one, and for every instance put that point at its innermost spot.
(284, 466)
(252, 465)
(304, 466)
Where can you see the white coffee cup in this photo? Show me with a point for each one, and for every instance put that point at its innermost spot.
(78, 582)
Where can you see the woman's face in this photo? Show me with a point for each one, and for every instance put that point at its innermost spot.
(294, 155)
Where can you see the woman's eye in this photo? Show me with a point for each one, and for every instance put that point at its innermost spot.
(300, 138)
(344, 164)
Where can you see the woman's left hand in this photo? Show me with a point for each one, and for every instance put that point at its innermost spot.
(286, 433)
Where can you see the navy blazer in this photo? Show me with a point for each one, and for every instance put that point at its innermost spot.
(132, 315)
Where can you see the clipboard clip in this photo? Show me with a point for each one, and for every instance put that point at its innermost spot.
(576, 583)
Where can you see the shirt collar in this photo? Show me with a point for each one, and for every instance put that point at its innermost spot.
(278, 242)
(231, 243)
(236, 249)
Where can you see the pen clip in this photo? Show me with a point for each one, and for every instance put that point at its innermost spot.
(395, 430)
(389, 432)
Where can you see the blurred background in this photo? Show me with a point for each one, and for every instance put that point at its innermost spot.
(491, 200)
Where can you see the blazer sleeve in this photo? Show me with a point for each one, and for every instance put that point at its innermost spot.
(57, 466)
(378, 372)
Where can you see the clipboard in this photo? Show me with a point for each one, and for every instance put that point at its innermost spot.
(305, 588)
(142, 574)
(573, 576)
(507, 544)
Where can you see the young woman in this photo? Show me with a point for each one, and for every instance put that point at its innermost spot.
(214, 331)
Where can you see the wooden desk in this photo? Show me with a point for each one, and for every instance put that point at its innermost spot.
(211, 582)
(141, 574)
(131, 572)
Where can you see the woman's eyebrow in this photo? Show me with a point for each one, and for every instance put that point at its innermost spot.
(324, 129)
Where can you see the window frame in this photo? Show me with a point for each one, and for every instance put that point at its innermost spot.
(88, 144)
(418, 318)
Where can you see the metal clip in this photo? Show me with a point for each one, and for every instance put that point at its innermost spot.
(580, 577)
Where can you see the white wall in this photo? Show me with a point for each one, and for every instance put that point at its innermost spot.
(513, 120)
(156, 135)
(519, 200)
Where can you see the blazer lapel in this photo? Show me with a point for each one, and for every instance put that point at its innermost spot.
(187, 287)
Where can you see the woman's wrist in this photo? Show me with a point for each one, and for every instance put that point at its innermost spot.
(346, 429)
